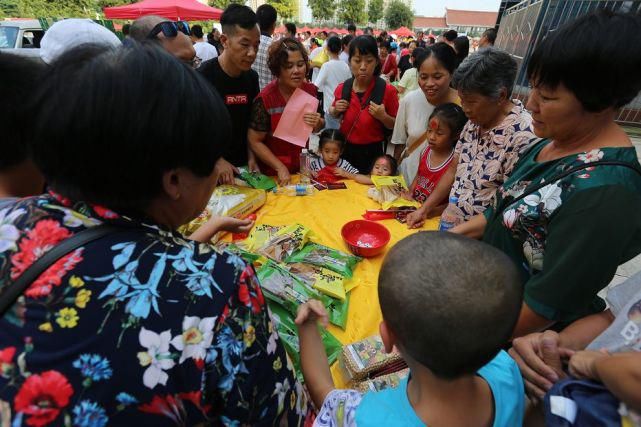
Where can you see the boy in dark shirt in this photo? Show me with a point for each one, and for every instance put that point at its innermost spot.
(237, 84)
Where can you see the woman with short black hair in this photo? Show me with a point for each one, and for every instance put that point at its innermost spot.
(565, 220)
(141, 326)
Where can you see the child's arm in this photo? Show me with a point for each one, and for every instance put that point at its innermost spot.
(221, 223)
(313, 360)
(360, 178)
(620, 373)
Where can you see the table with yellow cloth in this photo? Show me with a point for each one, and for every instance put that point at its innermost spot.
(325, 213)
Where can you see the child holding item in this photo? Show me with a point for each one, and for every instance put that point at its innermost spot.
(444, 127)
(330, 146)
(384, 165)
(429, 290)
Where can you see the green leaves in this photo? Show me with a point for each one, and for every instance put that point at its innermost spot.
(398, 14)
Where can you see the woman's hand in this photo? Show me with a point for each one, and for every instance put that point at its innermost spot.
(252, 164)
(539, 356)
(283, 176)
(377, 110)
(340, 107)
(233, 225)
(415, 219)
(312, 119)
(582, 364)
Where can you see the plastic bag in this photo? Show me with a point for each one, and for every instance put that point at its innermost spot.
(283, 321)
(257, 179)
(324, 256)
(388, 192)
(320, 278)
(247, 256)
(259, 236)
(290, 291)
(285, 242)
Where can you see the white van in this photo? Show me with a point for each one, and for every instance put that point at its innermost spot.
(21, 36)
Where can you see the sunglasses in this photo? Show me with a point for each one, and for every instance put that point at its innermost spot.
(169, 29)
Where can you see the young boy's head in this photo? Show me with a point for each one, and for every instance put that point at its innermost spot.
(449, 302)
(331, 145)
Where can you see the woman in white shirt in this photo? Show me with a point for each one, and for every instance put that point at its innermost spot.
(331, 74)
(434, 68)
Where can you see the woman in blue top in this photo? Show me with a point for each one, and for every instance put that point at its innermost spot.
(570, 235)
(141, 326)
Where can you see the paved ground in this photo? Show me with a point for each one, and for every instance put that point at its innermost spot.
(634, 265)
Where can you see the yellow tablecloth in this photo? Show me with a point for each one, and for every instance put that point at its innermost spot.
(325, 212)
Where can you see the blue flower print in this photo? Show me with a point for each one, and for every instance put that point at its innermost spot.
(232, 350)
(89, 414)
(93, 366)
(126, 399)
(201, 281)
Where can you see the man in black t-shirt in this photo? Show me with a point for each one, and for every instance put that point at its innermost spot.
(237, 84)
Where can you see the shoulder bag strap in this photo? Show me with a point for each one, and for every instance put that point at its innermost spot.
(14, 289)
(570, 171)
(417, 143)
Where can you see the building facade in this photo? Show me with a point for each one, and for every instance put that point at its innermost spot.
(524, 25)
(469, 22)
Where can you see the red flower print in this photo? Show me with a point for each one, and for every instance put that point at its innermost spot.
(172, 406)
(224, 315)
(105, 213)
(42, 238)
(251, 297)
(42, 397)
(6, 354)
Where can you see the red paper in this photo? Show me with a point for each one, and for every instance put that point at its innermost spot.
(291, 127)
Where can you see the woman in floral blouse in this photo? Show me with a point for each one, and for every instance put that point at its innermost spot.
(570, 236)
(141, 327)
(498, 130)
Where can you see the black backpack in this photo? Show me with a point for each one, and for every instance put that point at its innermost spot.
(376, 96)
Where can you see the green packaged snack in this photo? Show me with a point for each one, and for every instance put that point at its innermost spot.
(324, 256)
(320, 278)
(283, 321)
(285, 242)
(259, 236)
(290, 291)
(257, 179)
(249, 257)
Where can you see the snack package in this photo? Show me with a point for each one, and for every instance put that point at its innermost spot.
(249, 257)
(283, 321)
(283, 287)
(324, 256)
(384, 381)
(364, 358)
(320, 278)
(258, 236)
(285, 242)
(388, 192)
(256, 179)
(227, 200)
(326, 175)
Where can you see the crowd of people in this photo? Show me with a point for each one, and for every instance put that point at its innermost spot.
(145, 324)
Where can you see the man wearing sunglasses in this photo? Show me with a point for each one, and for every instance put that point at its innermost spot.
(236, 82)
(172, 36)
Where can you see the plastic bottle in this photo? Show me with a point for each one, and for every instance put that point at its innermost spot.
(295, 190)
(305, 173)
(448, 220)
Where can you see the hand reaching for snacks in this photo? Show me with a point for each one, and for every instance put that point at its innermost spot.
(312, 311)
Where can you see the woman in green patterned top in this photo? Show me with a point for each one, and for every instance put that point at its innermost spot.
(569, 236)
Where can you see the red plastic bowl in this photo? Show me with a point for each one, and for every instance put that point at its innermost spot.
(365, 238)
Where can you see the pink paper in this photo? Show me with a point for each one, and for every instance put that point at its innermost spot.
(291, 127)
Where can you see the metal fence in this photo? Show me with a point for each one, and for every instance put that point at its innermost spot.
(524, 25)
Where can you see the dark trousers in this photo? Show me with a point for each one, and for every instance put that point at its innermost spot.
(362, 157)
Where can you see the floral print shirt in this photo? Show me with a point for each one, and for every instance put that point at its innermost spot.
(138, 327)
(568, 237)
(485, 161)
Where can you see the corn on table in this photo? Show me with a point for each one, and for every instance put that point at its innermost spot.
(325, 212)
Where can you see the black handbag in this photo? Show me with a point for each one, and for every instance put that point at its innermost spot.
(14, 289)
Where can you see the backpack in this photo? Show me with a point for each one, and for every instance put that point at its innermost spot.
(376, 96)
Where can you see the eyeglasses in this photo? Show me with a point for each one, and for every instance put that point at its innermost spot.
(169, 29)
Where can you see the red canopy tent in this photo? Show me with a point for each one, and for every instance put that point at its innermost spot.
(177, 10)
(403, 32)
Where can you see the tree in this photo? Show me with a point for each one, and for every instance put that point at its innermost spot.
(222, 4)
(375, 10)
(322, 10)
(285, 8)
(352, 11)
(398, 14)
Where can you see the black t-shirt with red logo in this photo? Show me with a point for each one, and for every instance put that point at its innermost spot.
(238, 94)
